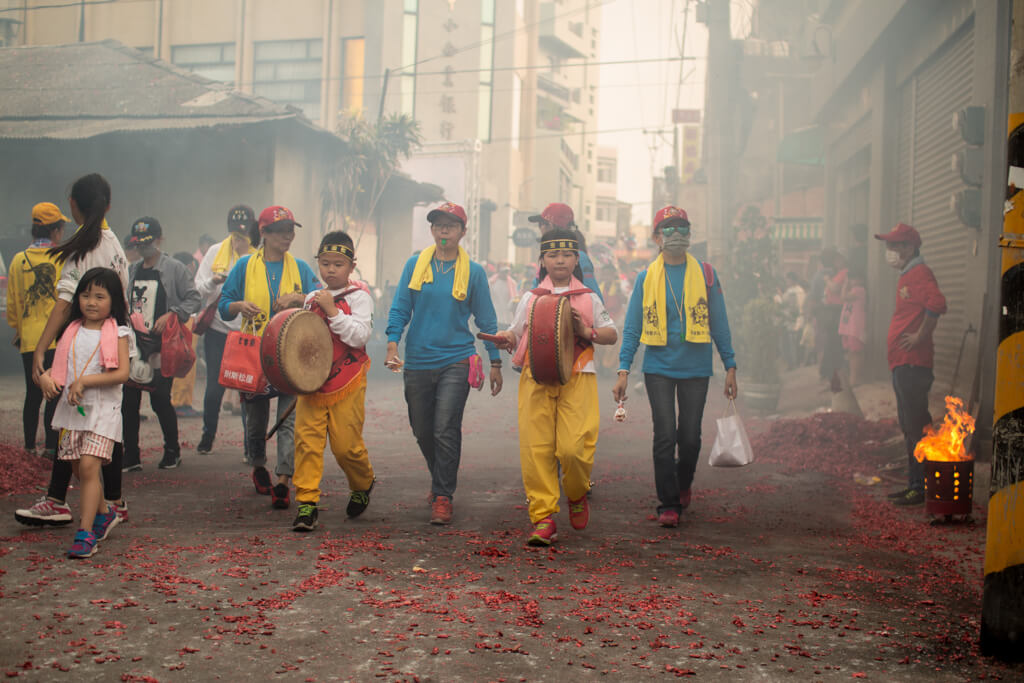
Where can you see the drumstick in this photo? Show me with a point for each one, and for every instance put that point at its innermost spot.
(287, 412)
(495, 339)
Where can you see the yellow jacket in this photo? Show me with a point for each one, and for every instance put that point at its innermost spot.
(31, 294)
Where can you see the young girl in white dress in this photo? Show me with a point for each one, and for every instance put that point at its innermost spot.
(89, 367)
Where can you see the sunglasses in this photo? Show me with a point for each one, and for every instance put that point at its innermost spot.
(681, 229)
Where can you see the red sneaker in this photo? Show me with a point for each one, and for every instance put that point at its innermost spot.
(579, 513)
(261, 480)
(543, 533)
(684, 498)
(280, 497)
(669, 518)
(441, 510)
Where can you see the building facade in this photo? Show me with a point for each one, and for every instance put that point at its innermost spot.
(505, 92)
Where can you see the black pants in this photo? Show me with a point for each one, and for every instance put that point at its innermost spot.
(213, 346)
(60, 476)
(832, 350)
(672, 433)
(160, 401)
(33, 400)
(912, 384)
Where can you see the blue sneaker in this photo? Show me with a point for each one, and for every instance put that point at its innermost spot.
(84, 545)
(102, 524)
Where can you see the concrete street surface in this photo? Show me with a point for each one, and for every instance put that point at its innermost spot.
(785, 570)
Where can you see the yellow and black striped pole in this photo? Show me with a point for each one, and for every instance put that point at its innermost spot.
(1002, 612)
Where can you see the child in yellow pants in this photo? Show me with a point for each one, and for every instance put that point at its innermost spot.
(337, 409)
(558, 424)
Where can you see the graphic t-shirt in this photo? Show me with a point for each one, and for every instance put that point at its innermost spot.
(147, 296)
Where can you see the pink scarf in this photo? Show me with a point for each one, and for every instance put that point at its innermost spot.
(108, 349)
(581, 303)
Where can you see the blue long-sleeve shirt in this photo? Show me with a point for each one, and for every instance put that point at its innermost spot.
(678, 359)
(587, 268)
(439, 333)
(234, 287)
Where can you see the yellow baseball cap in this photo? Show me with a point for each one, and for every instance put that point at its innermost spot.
(46, 213)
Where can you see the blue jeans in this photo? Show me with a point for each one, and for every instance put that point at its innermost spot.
(213, 346)
(255, 423)
(436, 400)
(673, 474)
(912, 384)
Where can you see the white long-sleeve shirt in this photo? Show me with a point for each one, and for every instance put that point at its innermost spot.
(353, 329)
(209, 291)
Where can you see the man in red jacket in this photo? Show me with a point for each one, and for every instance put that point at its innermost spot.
(919, 303)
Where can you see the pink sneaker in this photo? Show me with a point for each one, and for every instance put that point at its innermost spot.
(45, 512)
(122, 510)
(579, 513)
(669, 518)
(544, 533)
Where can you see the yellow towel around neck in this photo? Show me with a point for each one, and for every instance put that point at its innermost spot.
(423, 273)
(695, 304)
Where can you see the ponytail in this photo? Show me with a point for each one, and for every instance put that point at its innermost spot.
(91, 194)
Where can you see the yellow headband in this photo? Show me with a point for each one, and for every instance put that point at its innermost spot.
(337, 249)
(561, 243)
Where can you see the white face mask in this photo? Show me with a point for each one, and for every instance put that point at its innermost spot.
(893, 258)
(676, 242)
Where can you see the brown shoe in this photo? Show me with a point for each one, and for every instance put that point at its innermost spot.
(441, 510)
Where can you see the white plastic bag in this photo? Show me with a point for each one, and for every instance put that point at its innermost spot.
(732, 447)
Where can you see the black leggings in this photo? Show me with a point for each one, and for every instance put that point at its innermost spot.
(33, 400)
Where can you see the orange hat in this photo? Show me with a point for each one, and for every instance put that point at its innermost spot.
(46, 213)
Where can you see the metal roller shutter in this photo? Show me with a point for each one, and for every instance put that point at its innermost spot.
(942, 87)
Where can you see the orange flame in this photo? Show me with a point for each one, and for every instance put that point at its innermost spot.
(946, 444)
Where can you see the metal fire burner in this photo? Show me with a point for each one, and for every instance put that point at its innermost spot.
(948, 487)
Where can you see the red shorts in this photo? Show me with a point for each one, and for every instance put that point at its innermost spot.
(851, 343)
(74, 444)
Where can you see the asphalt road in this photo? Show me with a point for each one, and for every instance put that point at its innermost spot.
(780, 571)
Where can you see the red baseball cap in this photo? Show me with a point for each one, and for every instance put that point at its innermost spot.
(670, 213)
(449, 209)
(902, 233)
(557, 214)
(272, 215)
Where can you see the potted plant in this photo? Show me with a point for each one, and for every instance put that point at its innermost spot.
(759, 354)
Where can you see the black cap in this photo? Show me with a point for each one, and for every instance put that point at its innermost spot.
(241, 218)
(145, 230)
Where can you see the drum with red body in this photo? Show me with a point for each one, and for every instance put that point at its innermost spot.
(551, 341)
(296, 351)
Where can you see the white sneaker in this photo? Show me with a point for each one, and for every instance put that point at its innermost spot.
(45, 512)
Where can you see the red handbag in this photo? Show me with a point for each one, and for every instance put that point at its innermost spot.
(240, 368)
(176, 353)
(205, 319)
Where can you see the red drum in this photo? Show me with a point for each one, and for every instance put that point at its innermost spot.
(296, 351)
(552, 340)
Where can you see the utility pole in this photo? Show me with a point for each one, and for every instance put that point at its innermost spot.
(719, 125)
(1002, 609)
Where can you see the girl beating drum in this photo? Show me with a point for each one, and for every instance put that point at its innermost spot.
(558, 422)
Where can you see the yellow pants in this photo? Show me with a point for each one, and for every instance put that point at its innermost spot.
(557, 424)
(182, 387)
(343, 422)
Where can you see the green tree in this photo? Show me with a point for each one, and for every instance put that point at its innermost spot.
(356, 182)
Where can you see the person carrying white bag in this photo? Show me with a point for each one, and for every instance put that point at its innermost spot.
(732, 447)
(676, 311)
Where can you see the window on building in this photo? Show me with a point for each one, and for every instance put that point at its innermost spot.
(483, 110)
(606, 210)
(353, 73)
(147, 50)
(606, 169)
(215, 61)
(410, 27)
(289, 71)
